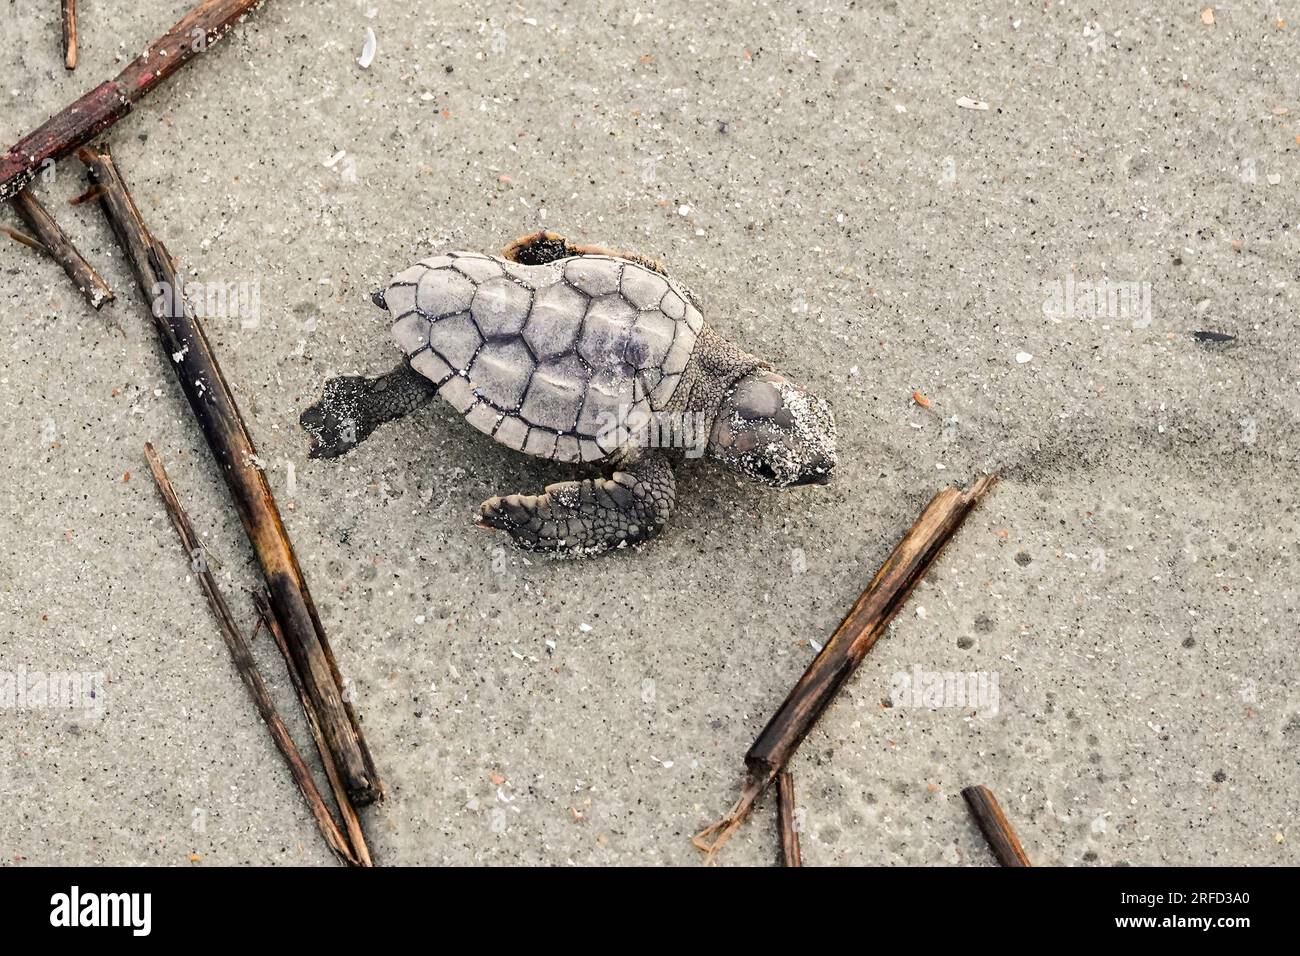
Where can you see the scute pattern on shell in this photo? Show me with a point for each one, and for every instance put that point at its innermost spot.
(544, 357)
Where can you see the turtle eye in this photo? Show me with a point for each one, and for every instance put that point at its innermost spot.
(765, 471)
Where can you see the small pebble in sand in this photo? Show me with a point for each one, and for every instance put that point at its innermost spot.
(1023, 357)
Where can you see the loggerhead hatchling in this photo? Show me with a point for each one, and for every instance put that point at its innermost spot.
(579, 355)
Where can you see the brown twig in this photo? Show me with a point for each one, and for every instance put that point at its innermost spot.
(244, 663)
(70, 34)
(790, 853)
(351, 822)
(995, 826)
(90, 195)
(22, 237)
(189, 353)
(107, 103)
(61, 249)
(856, 635)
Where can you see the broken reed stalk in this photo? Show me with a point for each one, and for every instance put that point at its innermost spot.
(790, 853)
(351, 822)
(995, 826)
(70, 34)
(78, 123)
(244, 663)
(856, 635)
(90, 195)
(189, 353)
(23, 238)
(61, 249)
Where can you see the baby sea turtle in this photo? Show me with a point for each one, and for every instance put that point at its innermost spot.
(586, 356)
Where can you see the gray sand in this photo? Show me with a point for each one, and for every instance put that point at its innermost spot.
(1130, 585)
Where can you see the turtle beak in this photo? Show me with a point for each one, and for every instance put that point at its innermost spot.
(824, 479)
(819, 473)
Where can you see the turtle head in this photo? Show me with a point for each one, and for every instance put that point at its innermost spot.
(774, 432)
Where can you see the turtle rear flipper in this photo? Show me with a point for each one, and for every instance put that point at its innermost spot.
(353, 406)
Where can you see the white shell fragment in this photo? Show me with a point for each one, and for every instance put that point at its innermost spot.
(368, 50)
(545, 358)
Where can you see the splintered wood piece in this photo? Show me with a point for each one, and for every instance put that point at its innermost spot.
(856, 635)
(90, 195)
(23, 238)
(245, 665)
(995, 826)
(61, 250)
(790, 853)
(79, 122)
(188, 351)
(70, 34)
(351, 822)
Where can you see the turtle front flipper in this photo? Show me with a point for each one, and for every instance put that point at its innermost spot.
(592, 516)
(539, 248)
(353, 406)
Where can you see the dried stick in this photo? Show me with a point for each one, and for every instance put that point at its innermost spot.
(23, 238)
(856, 635)
(213, 404)
(245, 665)
(70, 34)
(61, 249)
(90, 195)
(995, 826)
(96, 111)
(351, 822)
(790, 853)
